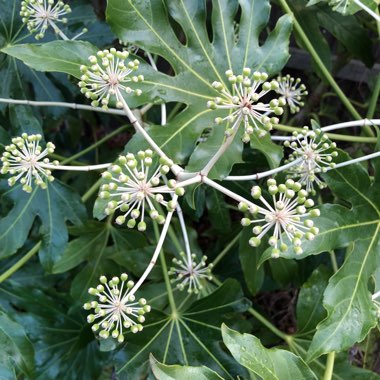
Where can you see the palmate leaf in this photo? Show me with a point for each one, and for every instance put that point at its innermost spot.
(52, 207)
(196, 64)
(63, 342)
(199, 62)
(103, 248)
(347, 299)
(189, 335)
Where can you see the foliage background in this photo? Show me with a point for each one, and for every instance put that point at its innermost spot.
(306, 310)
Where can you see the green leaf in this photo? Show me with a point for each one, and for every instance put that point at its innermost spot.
(249, 257)
(269, 364)
(351, 313)
(273, 153)
(218, 212)
(189, 336)
(103, 247)
(174, 372)
(53, 207)
(347, 300)
(63, 341)
(15, 345)
(309, 305)
(61, 56)
(198, 64)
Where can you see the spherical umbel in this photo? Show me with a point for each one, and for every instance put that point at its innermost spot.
(25, 159)
(286, 214)
(190, 275)
(292, 90)
(105, 79)
(243, 102)
(315, 154)
(38, 15)
(134, 185)
(116, 309)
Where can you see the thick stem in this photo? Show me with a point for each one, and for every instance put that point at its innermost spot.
(325, 72)
(15, 267)
(329, 366)
(156, 251)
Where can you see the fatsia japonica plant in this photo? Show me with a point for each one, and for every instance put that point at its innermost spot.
(189, 189)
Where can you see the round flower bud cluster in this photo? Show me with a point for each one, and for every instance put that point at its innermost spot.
(315, 154)
(132, 188)
(116, 309)
(104, 80)
(286, 214)
(24, 159)
(188, 274)
(244, 105)
(38, 15)
(293, 91)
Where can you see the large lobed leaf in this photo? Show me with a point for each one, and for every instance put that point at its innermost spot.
(52, 207)
(196, 64)
(189, 335)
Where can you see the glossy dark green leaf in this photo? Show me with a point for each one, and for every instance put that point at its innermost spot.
(63, 341)
(198, 64)
(347, 300)
(59, 56)
(188, 335)
(269, 364)
(309, 305)
(15, 347)
(53, 207)
(174, 372)
(249, 258)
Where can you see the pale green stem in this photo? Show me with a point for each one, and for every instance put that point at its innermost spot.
(95, 145)
(15, 267)
(91, 191)
(329, 366)
(374, 99)
(333, 261)
(332, 136)
(269, 325)
(226, 249)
